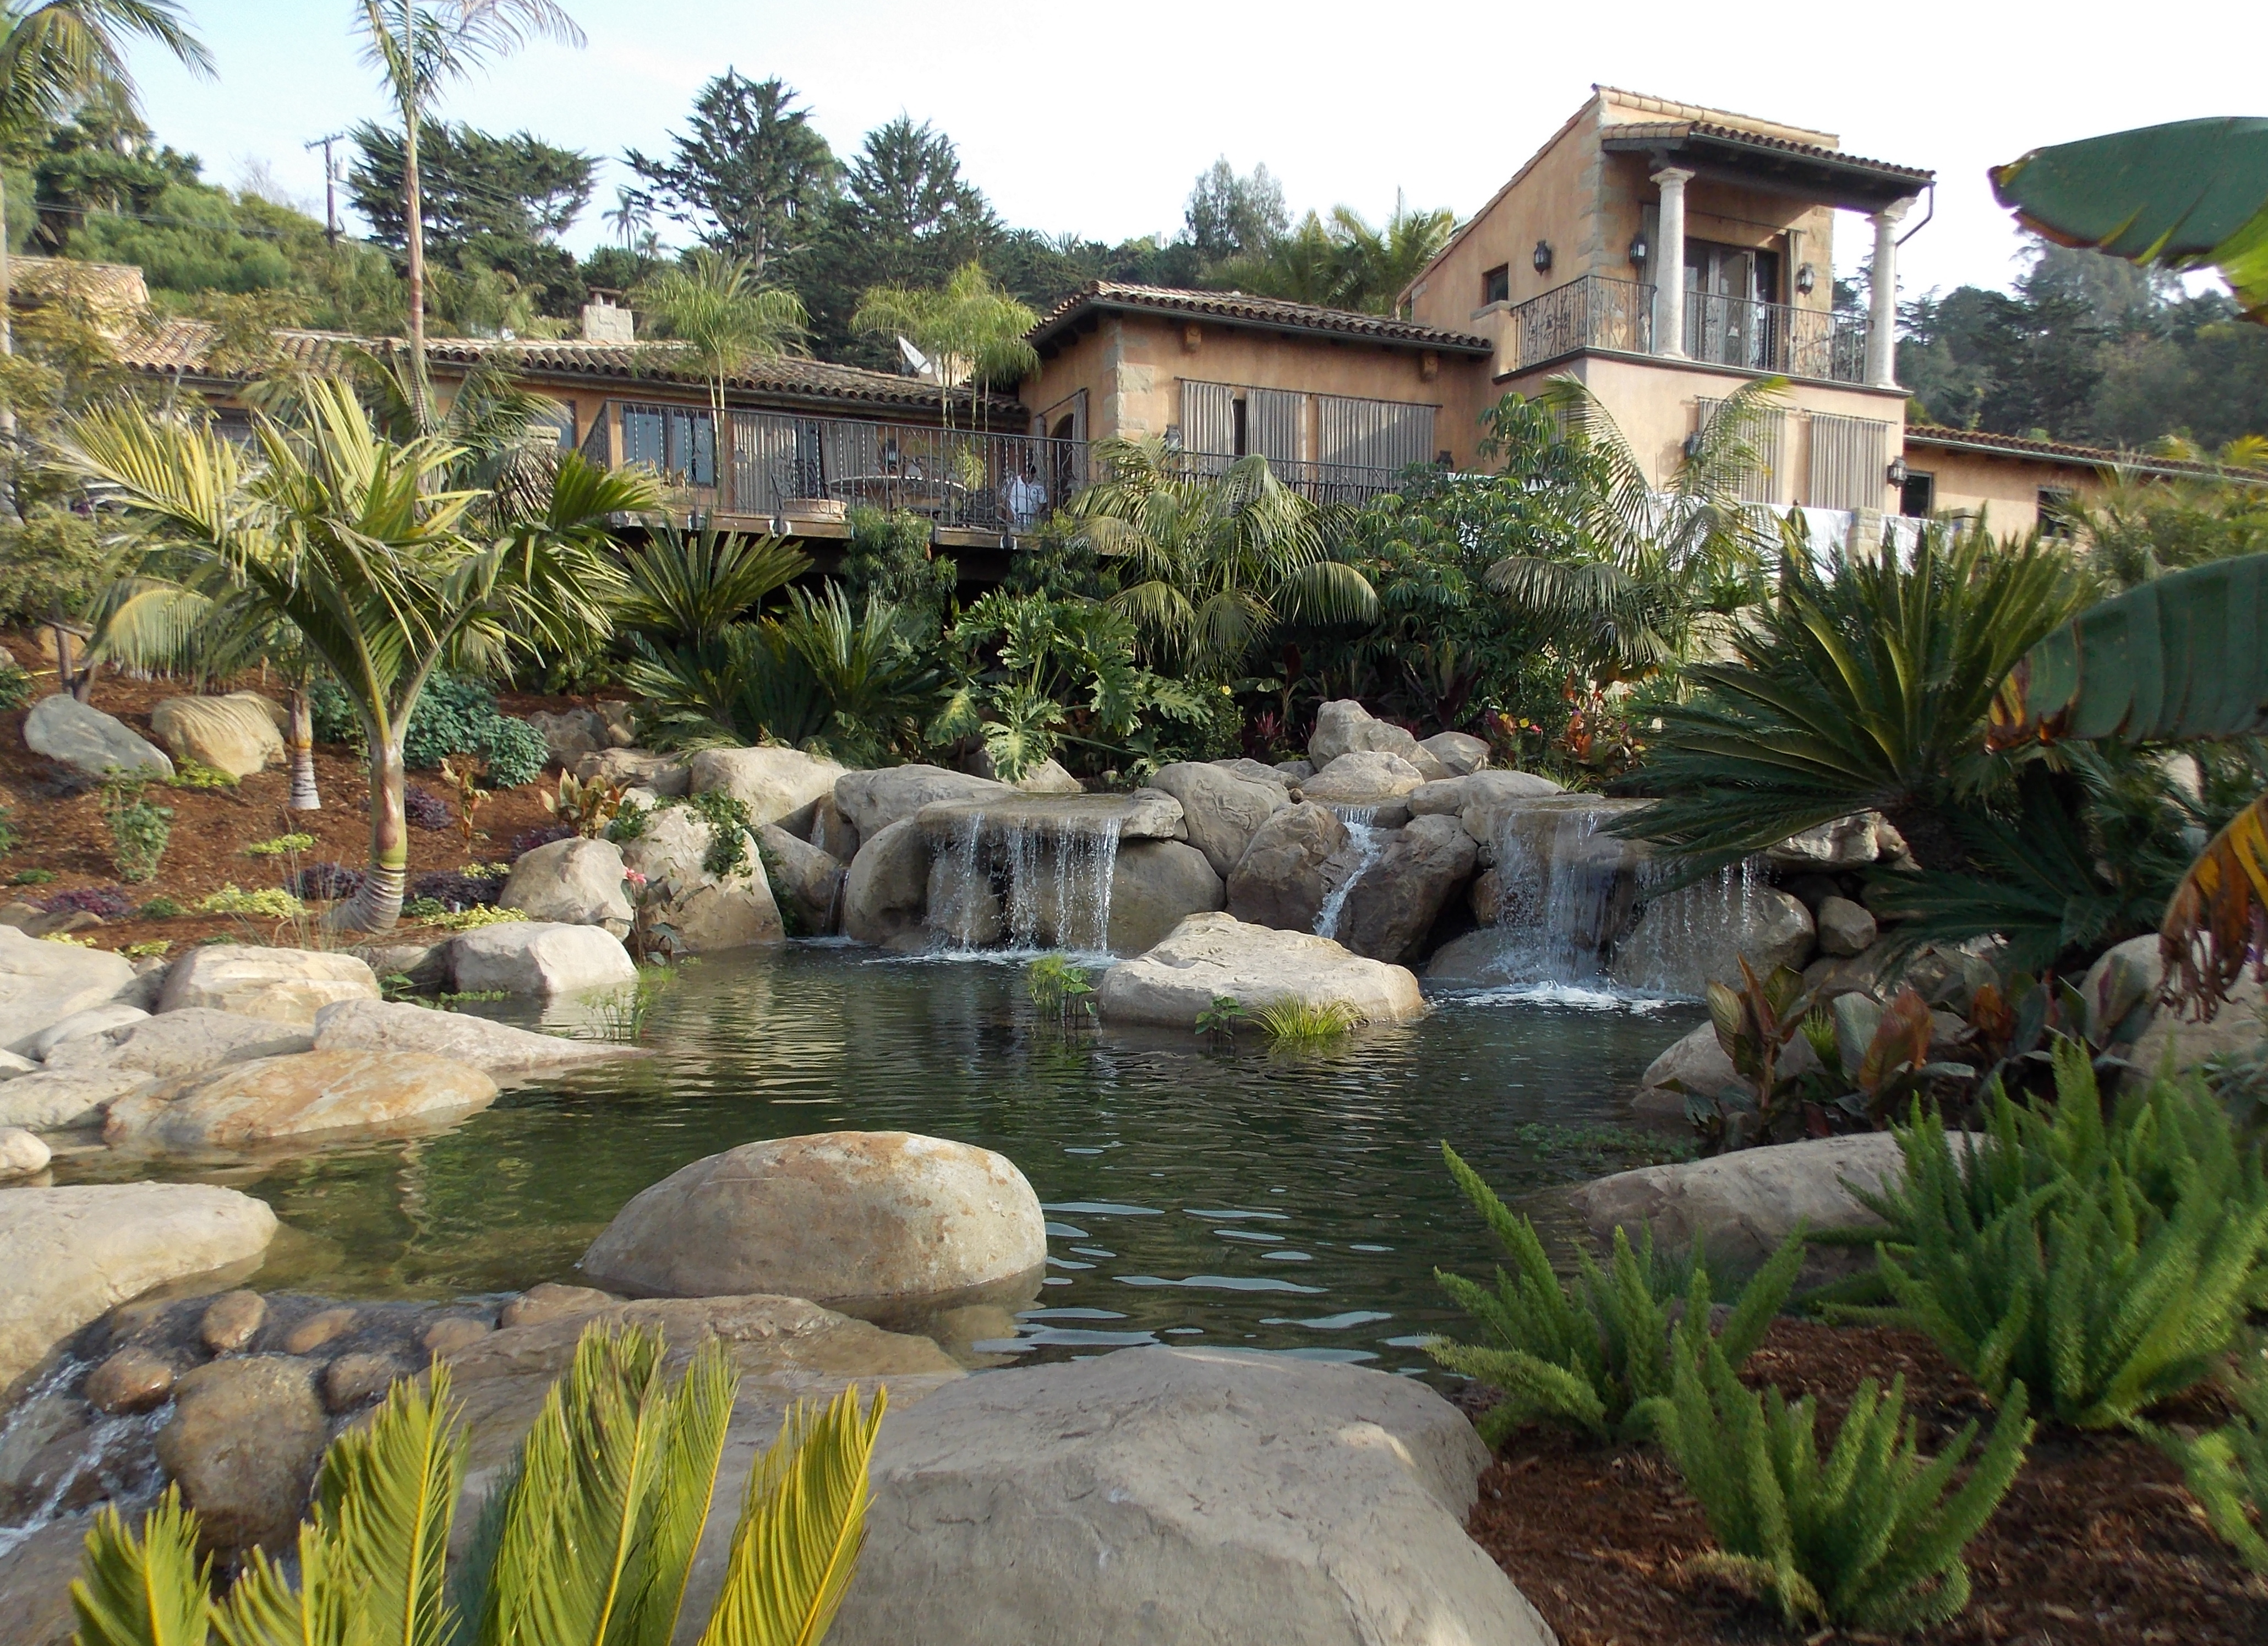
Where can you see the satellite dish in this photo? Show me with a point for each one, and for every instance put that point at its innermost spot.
(917, 362)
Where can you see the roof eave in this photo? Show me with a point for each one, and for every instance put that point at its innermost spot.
(1848, 182)
(1064, 325)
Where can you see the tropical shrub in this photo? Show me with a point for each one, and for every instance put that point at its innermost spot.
(586, 808)
(270, 903)
(1220, 1019)
(281, 845)
(139, 832)
(1590, 1356)
(1870, 1539)
(15, 683)
(1059, 986)
(2228, 1467)
(2104, 1263)
(589, 1536)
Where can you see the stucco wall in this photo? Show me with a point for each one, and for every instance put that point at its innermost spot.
(2006, 489)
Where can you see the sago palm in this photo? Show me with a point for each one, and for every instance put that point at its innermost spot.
(355, 541)
(588, 1540)
(1210, 567)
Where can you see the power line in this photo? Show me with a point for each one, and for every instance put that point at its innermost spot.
(330, 184)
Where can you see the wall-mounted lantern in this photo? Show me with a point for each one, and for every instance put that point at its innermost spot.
(1542, 259)
(1806, 279)
(1639, 249)
(1895, 474)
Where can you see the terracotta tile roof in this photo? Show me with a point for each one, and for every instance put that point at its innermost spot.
(1235, 308)
(187, 345)
(119, 287)
(1937, 437)
(1679, 130)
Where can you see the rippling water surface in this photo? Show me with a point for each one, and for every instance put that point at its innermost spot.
(1194, 1193)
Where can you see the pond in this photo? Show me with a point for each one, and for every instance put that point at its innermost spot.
(1195, 1192)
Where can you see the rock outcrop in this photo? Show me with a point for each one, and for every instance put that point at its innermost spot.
(1396, 899)
(886, 887)
(236, 733)
(872, 801)
(777, 786)
(43, 982)
(1345, 727)
(1364, 777)
(73, 734)
(1221, 807)
(1280, 880)
(287, 986)
(1209, 956)
(497, 1050)
(576, 881)
(538, 959)
(805, 881)
(1155, 885)
(243, 1444)
(841, 1217)
(65, 1100)
(188, 1041)
(309, 1095)
(708, 911)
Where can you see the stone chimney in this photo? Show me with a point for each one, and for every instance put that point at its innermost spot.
(606, 321)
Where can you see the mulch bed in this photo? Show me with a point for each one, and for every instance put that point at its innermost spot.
(59, 823)
(2097, 1544)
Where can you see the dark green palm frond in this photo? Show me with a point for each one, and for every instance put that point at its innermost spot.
(688, 586)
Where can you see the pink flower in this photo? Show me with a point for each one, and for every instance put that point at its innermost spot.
(631, 877)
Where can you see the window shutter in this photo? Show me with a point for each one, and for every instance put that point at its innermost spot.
(1387, 434)
(1208, 418)
(1848, 458)
(1275, 425)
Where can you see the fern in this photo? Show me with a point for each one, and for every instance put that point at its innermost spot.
(2105, 1265)
(1872, 1536)
(2228, 1467)
(1590, 1356)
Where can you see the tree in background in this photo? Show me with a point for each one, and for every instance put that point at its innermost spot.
(417, 47)
(493, 205)
(749, 175)
(906, 218)
(1228, 216)
(1342, 261)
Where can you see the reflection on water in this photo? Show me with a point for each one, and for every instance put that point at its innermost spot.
(1192, 1192)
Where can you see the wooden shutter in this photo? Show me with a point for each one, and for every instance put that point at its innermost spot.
(1849, 456)
(1769, 437)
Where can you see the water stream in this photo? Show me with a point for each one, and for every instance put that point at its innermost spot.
(1364, 836)
(1029, 884)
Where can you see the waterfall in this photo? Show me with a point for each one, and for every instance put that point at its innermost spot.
(1041, 884)
(114, 1460)
(964, 888)
(1691, 934)
(1360, 833)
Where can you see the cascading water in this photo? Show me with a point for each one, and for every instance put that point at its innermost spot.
(1039, 883)
(1691, 932)
(111, 1460)
(1363, 835)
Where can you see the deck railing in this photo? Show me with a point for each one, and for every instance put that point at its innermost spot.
(1598, 312)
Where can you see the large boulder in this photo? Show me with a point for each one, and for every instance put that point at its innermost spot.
(1155, 885)
(777, 786)
(1047, 777)
(1280, 880)
(1691, 937)
(73, 1254)
(1844, 927)
(243, 1444)
(806, 882)
(1364, 777)
(1222, 808)
(538, 959)
(577, 882)
(21, 1153)
(708, 911)
(1344, 727)
(237, 734)
(2167, 1032)
(872, 801)
(665, 776)
(497, 1050)
(1459, 753)
(189, 1041)
(73, 734)
(1395, 900)
(570, 732)
(1697, 1061)
(832, 831)
(1053, 819)
(840, 1217)
(886, 887)
(1483, 789)
(1180, 1495)
(1851, 842)
(1740, 1207)
(43, 982)
(288, 986)
(1209, 956)
(310, 1094)
(65, 1100)
(95, 1020)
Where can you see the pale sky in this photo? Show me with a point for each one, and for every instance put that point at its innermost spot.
(1094, 118)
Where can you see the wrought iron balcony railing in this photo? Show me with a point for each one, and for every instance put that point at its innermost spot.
(1597, 312)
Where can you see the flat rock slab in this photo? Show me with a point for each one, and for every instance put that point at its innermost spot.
(1213, 955)
(84, 738)
(872, 801)
(314, 1093)
(497, 1050)
(43, 982)
(1145, 814)
(1188, 1495)
(1364, 779)
(288, 986)
(838, 1216)
(66, 1100)
(1452, 796)
(73, 1254)
(189, 1041)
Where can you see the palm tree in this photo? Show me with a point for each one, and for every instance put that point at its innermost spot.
(969, 327)
(1212, 567)
(385, 571)
(1643, 566)
(56, 56)
(417, 47)
(590, 1535)
(713, 304)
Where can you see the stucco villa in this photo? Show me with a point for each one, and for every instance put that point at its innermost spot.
(1663, 254)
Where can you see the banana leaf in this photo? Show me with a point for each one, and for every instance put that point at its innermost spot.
(2180, 656)
(2185, 195)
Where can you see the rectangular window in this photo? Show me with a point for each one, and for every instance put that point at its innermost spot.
(1496, 286)
(2058, 511)
(1767, 438)
(1849, 456)
(1241, 411)
(673, 440)
(1918, 497)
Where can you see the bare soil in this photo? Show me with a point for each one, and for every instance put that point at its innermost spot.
(2098, 1543)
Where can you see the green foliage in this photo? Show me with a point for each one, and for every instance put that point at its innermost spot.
(588, 1536)
(1865, 686)
(1220, 1019)
(623, 1015)
(888, 558)
(454, 715)
(9, 838)
(17, 686)
(2103, 1262)
(447, 919)
(196, 775)
(1342, 261)
(269, 903)
(732, 830)
(281, 845)
(1591, 1356)
(32, 877)
(2227, 1466)
(1869, 1538)
(630, 822)
(162, 908)
(52, 562)
(1060, 986)
(1292, 1024)
(139, 832)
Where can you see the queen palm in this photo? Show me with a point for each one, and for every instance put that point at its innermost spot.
(385, 571)
(56, 56)
(712, 303)
(970, 329)
(1211, 566)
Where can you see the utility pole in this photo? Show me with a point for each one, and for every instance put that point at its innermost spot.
(330, 184)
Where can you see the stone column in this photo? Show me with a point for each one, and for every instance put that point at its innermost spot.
(1882, 294)
(1669, 264)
